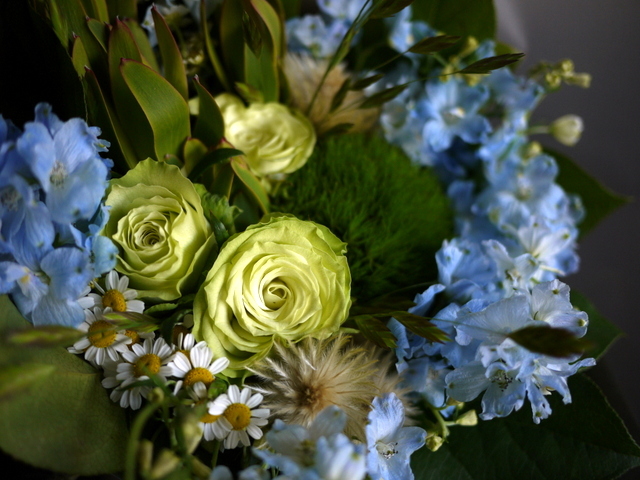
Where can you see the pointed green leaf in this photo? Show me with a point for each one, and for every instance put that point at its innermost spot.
(211, 52)
(142, 42)
(19, 379)
(556, 342)
(192, 152)
(45, 336)
(383, 96)
(339, 129)
(365, 82)
(261, 73)
(249, 93)
(251, 33)
(122, 8)
(388, 8)
(601, 332)
(486, 65)
(101, 113)
(269, 16)
(100, 32)
(172, 63)
(223, 178)
(79, 57)
(434, 44)
(343, 49)
(165, 109)
(231, 40)
(597, 199)
(97, 9)
(291, 8)
(475, 18)
(212, 158)
(131, 116)
(251, 182)
(340, 95)
(421, 326)
(210, 124)
(375, 331)
(584, 440)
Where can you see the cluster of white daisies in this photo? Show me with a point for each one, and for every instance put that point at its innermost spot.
(128, 357)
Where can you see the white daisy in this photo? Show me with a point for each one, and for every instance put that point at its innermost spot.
(150, 357)
(116, 296)
(102, 342)
(211, 428)
(196, 365)
(238, 416)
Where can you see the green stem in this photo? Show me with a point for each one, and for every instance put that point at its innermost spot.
(134, 439)
(214, 457)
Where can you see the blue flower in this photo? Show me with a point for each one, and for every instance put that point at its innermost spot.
(389, 443)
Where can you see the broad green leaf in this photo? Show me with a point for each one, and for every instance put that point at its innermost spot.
(173, 66)
(166, 111)
(210, 124)
(584, 440)
(223, 177)
(192, 152)
(434, 44)
(44, 336)
(272, 22)
(79, 57)
(131, 116)
(122, 9)
(251, 182)
(212, 158)
(97, 9)
(486, 65)
(601, 332)
(597, 199)
(20, 379)
(100, 32)
(142, 42)
(66, 422)
(556, 342)
(291, 8)
(383, 96)
(374, 330)
(388, 8)
(211, 51)
(251, 33)
(476, 18)
(231, 40)
(261, 73)
(420, 326)
(249, 93)
(101, 113)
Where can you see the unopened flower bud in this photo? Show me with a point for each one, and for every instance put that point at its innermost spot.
(156, 395)
(567, 129)
(166, 463)
(579, 79)
(531, 150)
(468, 419)
(434, 442)
(553, 79)
(145, 456)
(566, 66)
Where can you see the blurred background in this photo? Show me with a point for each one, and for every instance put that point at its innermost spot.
(603, 39)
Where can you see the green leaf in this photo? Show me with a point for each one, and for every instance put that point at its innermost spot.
(421, 326)
(173, 66)
(251, 182)
(231, 40)
(212, 158)
(79, 57)
(249, 93)
(584, 440)
(20, 379)
(488, 64)
(66, 422)
(476, 18)
(193, 151)
(601, 332)
(365, 82)
(556, 342)
(374, 330)
(122, 9)
(210, 124)
(383, 96)
(97, 9)
(100, 32)
(142, 41)
(211, 52)
(388, 8)
(597, 199)
(251, 33)
(343, 48)
(338, 129)
(166, 110)
(340, 95)
(434, 44)
(44, 336)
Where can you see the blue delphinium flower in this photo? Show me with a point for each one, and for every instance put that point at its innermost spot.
(52, 181)
(312, 34)
(389, 442)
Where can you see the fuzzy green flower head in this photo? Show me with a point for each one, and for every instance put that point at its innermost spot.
(275, 139)
(159, 227)
(282, 277)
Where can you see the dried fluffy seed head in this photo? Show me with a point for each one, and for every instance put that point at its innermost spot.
(299, 381)
(305, 73)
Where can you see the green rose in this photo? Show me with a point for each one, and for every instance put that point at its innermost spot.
(274, 139)
(283, 277)
(158, 224)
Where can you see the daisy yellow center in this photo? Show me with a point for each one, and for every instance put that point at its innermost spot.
(133, 335)
(115, 300)
(101, 334)
(149, 363)
(208, 418)
(198, 374)
(238, 415)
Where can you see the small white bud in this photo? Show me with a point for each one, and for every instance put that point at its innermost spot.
(468, 419)
(567, 129)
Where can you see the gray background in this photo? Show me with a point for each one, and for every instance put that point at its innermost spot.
(602, 38)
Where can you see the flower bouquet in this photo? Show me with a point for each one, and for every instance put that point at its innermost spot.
(274, 239)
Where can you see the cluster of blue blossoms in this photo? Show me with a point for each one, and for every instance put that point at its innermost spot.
(516, 227)
(52, 182)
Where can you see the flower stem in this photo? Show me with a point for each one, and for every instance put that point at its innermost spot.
(134, 439)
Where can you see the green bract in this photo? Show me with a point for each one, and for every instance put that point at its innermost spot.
(274, 139)
(158, 224)
(283, 277)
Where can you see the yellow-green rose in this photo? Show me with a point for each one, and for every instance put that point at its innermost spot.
(274, 138)
(283, 277)
(158, 224)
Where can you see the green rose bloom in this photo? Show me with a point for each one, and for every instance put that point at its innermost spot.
(274, 138)
(283, 277)
(158, 224)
